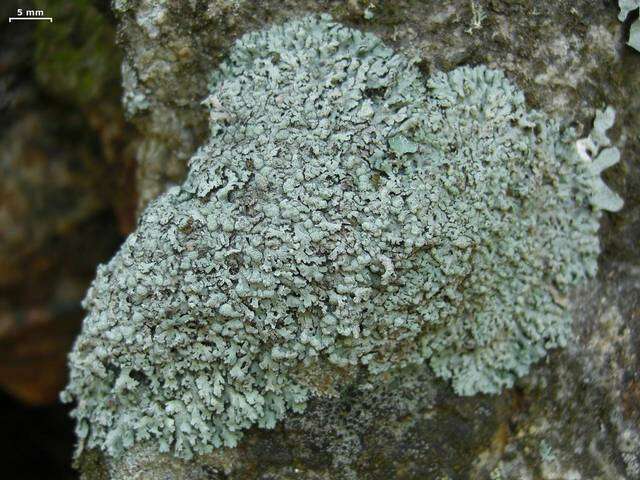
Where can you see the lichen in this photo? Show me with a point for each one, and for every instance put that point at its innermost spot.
(344, 214)
(597, 152)
(626, 7)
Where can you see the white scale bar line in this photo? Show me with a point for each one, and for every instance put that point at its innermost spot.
(31, 18)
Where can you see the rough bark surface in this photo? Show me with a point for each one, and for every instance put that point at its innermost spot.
(576, 416)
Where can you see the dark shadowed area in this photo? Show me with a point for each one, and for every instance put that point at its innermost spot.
(67, 199)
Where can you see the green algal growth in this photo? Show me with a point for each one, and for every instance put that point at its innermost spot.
(344, 214)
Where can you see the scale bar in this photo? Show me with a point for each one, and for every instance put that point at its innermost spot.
(31, 18)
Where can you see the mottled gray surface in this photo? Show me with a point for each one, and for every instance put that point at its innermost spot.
(576, 416)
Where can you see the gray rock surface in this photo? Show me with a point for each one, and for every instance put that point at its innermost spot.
(576, 416)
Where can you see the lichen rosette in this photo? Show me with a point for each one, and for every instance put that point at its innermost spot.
(344, 214)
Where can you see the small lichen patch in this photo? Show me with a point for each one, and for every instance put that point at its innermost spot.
(344, 214)
(597, 152)
(626, 7)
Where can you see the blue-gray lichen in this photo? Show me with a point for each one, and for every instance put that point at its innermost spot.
(626, 7)
(344, 213)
